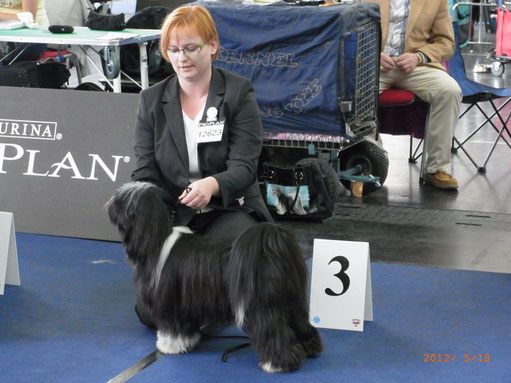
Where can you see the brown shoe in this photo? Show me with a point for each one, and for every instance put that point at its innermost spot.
(441, 180)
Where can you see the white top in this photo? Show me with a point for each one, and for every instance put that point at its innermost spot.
(191, 127)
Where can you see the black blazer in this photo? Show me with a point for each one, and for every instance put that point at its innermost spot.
(162, 155)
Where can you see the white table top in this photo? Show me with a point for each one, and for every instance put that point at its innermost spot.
(80, 36)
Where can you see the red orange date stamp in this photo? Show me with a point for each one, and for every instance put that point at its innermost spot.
(446, 358)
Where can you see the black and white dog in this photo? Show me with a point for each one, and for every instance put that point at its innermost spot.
(257, 280)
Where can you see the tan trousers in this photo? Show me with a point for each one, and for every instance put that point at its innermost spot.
(443, 94)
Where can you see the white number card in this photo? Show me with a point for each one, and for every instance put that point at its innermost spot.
(341, 295)
(9, 270)
(210, 131)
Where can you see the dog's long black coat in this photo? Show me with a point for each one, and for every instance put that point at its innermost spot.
(257, 279)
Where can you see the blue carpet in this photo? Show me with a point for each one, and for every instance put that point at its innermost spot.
(72, 320)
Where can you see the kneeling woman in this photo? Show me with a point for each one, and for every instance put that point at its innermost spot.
(199, 135)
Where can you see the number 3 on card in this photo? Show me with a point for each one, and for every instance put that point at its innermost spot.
(341, 296)
(343, 277)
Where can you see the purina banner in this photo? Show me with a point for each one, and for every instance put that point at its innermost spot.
(62, 154)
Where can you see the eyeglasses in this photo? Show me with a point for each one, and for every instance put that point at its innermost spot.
(189, 50)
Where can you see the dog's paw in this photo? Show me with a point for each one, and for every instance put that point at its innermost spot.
(287, 361)
(276, 367)
(168, 343)
(312, 344)
(268, 367)
(313, 347)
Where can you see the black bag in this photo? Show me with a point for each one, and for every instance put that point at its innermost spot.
(89, 86)
(32, 74)
(158, 68)
(105, 22)
(297, 192)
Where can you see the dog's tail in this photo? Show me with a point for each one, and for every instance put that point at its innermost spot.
(266, 268)
(139, 211)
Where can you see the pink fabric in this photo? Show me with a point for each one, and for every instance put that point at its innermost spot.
(503, 46)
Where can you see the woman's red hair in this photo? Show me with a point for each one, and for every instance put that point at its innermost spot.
(193, 19)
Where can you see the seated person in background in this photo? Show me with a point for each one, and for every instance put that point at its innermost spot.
(71, 12)
(417, 36)
(211, 183)
(9, 10)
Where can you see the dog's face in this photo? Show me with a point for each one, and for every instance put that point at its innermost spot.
(121, 209)
(138, 211)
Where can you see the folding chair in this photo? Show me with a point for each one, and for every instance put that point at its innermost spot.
(401, 112)
(473, 94)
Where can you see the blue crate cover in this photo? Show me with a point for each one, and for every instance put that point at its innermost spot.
(292, 56)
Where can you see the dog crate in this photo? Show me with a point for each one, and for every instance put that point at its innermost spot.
(315, 72)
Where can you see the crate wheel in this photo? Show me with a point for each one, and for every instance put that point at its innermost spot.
(373, 160)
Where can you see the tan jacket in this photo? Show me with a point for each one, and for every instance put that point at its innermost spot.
(429, 29)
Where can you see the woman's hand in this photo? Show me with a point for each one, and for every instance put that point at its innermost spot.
(199, 193)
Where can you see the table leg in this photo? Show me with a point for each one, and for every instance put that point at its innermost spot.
(144, 75)
(117, 84)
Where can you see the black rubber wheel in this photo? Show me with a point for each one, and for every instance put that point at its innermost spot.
(332, 182)
(373, 160)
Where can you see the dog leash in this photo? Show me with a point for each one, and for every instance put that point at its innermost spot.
(233, 349)
(230, 350)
